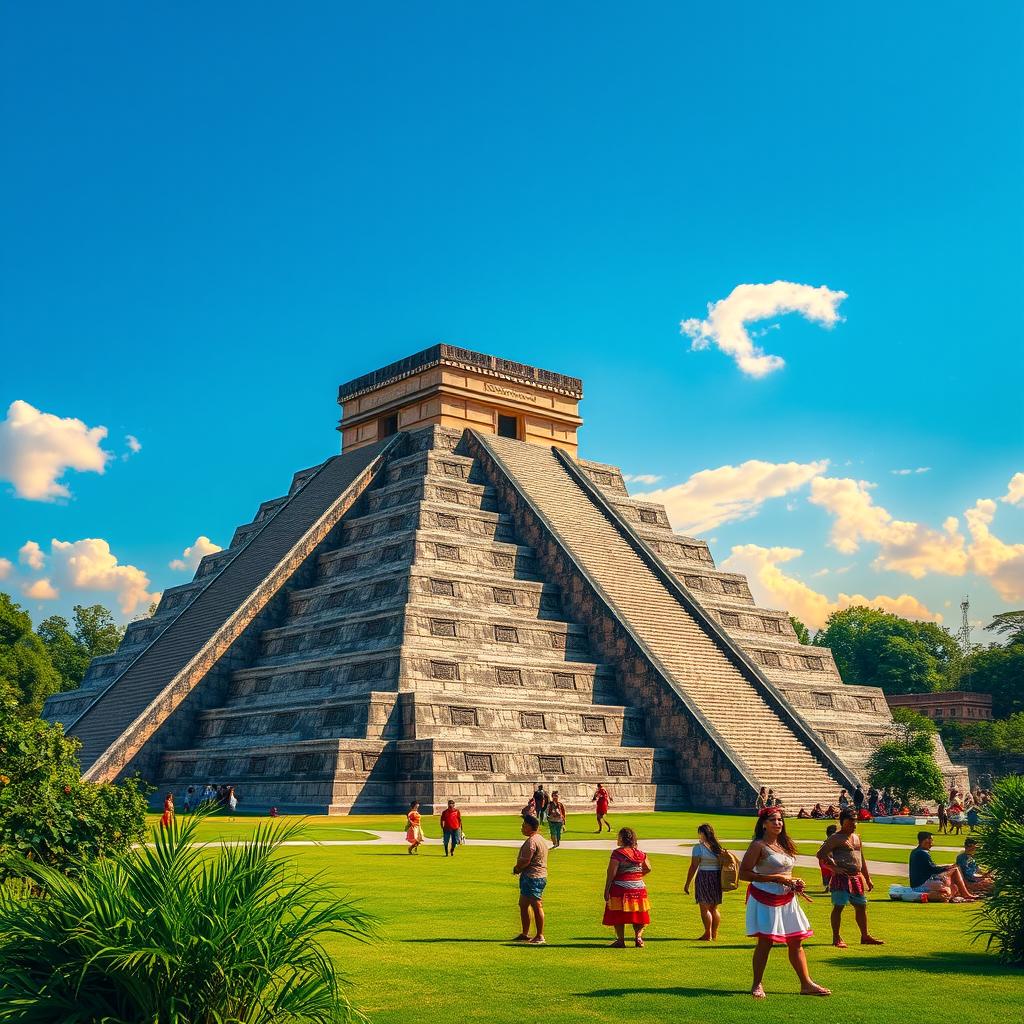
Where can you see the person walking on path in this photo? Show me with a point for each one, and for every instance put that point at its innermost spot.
(231, 799)
(540, 803)
(413, 831)
(773, 913)
(625, 894)
(850, 878)
(167, 818)
(602, 798)
(451, 827)
(557, 816)
(532, 868)
(706, 864)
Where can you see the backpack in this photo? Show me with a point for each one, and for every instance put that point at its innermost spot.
(729, 871)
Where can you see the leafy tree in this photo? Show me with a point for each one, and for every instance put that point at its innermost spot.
(1002, 842)
(47, 813)
(800, 629)
(26, 671)
(95, 633)
(876, 648)
(906, 765)
(1010, 624)
(997, 670)
(175, 934)
(1005, 736)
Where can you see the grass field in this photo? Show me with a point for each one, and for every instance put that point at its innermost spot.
(443, 951)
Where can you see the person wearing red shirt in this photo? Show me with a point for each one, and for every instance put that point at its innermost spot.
(601, 798)
(451, 827)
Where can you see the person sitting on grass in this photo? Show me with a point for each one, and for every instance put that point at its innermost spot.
(802, 813)
(831, 812)
(943, 883)
(817, 811)
(979, 882)
(532, 868)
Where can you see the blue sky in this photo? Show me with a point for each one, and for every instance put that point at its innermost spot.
(211, 217)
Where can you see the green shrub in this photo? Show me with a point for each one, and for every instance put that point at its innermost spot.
(171, 933)
(1001, 834)
(47, 813)
(906, 766)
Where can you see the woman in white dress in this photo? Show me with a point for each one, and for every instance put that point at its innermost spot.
(774, 914)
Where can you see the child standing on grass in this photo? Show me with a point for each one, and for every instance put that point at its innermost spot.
(532, 869)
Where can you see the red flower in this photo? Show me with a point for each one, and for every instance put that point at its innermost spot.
(67, 790)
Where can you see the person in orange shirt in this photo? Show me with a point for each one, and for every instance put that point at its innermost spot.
(451, 827)
(413, 832)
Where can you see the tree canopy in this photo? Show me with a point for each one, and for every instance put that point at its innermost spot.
(93, 633)
(27, 674)
(802, 633)
(906, 765)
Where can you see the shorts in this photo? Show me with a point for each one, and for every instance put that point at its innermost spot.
(532, 888)
(840, 898)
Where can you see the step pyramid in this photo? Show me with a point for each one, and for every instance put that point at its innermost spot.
(450, 613)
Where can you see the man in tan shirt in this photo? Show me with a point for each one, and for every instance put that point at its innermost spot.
(532, 869)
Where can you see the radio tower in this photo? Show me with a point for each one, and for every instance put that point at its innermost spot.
(963, 640)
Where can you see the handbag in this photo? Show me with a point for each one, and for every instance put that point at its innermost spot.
(729, 871)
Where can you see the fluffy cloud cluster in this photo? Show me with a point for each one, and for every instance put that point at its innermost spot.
(5, 568)
(37, 448)
(773, 588)
(87, 564)
(716, 496)
(1001, 564)
(1015, 492)
(648, 479)
(194, 554)
(726, 323)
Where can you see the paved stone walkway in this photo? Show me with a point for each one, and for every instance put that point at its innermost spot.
(671, 847)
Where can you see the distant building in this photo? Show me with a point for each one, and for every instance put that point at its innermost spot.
(952, 706)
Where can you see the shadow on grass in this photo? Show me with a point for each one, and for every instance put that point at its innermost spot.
(985, 964)
(674, 990)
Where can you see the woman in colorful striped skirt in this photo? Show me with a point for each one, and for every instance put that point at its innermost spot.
(706, 864)
(625, 895)
(773, 909)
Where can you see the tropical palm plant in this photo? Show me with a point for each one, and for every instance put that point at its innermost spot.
(175, 933)
(1001, 835)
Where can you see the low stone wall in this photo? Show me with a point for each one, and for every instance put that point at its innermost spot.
(985, 768)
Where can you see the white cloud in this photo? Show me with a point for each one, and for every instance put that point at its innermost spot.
(31, 554)
(726, 323)
(89, 564)
(5, 568)
(908, 472)
(773, 588)
(133, 443)
(1015, 492)
(716, 496)
(904, 546)
(193, 555)
(641, 478)
(40, 590)
(37, 448)
(1001, 564)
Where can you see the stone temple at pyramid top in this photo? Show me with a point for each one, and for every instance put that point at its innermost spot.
(457, 388)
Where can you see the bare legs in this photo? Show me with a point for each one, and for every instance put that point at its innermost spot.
(861, 915)
(600, 822)
(711, 918)
(526, 904)
(620, 935)
(797, 960)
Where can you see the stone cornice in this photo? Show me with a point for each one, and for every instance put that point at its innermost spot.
(466, 359)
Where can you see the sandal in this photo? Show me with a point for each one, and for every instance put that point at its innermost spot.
(617, 944)
(639, 943)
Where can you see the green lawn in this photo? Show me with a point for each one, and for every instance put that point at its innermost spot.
(444, 951)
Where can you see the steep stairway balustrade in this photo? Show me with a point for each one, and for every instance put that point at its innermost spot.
(150, 707)
(709, 683)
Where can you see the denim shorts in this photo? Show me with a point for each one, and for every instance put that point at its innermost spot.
(532, 888)
(840, 898)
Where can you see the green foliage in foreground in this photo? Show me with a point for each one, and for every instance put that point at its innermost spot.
(47, 813)
(1002, 842)
(171, 934)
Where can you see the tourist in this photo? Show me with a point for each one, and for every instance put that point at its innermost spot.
(817, 811)
(208, 794)
(231, 799)
(773, 913)
(167, 818)
(769, 800)
(540, 802)
(826, 869)
(530, 810)
(532, 869)
(802, 813)
(940, 813)
(831, 811)
(873, 802)
(858, 799)
(451, 827)
(844, 801)
(274, 813)
(557, 816)
(850, 877)
(978, 881)
(601, 798)
(625, 894)
(413, 831)
(762, 800)
(973, 817)
(957, 818)
(706, 864)
(945, 883)
(190, 800)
